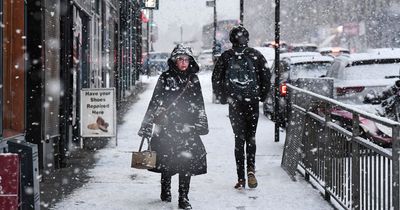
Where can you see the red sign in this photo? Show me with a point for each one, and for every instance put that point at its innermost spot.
(143, 17)
(9, 181)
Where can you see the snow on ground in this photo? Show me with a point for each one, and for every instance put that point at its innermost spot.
(117, 186)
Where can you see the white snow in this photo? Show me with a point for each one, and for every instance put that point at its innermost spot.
(114, 185)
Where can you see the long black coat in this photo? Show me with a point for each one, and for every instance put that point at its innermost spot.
(176, 139)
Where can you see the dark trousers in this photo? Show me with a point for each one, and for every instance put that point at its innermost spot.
(244, 119)
(184, 184)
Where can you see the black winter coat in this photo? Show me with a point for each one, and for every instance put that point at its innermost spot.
(176, 138)
(219, 74)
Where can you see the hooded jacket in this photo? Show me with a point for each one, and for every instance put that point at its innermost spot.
(176, 138)
(239, 37)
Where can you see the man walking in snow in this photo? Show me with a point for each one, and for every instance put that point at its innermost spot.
(241, 78)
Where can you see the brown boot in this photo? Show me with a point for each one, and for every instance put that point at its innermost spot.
(251, 179)
(241, 184)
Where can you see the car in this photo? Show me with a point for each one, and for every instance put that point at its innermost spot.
(156, 62)
(303, 47)
(205, 60)
(334, 51)
(357, 75)
(385, 51)
(271, 44)
(294, 66)
(268, 53)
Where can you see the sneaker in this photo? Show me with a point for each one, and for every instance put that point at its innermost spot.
(241, 184)
(252, 181)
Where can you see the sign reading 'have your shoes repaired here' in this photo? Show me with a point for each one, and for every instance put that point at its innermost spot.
(98, 112)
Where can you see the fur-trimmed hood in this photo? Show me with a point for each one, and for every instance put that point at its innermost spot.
(181, 49)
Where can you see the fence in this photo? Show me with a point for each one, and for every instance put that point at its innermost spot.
(355, 172)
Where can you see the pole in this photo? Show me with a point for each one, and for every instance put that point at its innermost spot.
(151, 19)
(181, 34)
(241, 11)
(148, 47)
(276, 86)
(215, 32)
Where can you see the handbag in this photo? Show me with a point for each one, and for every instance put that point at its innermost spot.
(144, 159)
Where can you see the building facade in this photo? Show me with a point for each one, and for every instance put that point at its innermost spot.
(51, 49)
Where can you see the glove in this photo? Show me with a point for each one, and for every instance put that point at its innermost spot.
(145, 131)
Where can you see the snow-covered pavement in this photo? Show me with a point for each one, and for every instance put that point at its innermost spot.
(114, 185)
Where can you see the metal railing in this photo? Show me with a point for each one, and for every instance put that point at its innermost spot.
(355, 172)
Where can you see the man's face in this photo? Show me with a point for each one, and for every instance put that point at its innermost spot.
(182, 62)
(241, 38)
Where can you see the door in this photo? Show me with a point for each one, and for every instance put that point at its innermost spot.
(14, 68)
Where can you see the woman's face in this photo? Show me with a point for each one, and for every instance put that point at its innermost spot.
(182, 62)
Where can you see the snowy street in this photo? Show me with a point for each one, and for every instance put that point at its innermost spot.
(114, 185)
(78, 76)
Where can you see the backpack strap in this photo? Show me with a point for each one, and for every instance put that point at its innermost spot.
(233, 52)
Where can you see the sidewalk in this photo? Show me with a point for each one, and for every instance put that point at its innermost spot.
(57, 184)
(114, 185)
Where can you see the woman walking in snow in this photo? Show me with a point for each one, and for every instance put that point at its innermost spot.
(177, 112)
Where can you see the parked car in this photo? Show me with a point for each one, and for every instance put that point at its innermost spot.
(384, 51)
(303, 47)
(357, 75)
(334, 51)
(294, 66)
(271, 44)
(205, 60)
(156, 62)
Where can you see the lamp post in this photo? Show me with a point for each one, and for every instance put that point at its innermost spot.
(213, 3)
(151, 20)
(150, 5)
(277, 48)
(241, 11)
(148, 46)
(215, 32)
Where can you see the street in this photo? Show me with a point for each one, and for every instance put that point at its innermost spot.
(114, 185)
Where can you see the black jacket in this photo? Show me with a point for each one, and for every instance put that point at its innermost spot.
(218, 76)
(176, 138)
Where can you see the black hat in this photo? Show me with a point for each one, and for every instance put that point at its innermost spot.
(239, 35)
